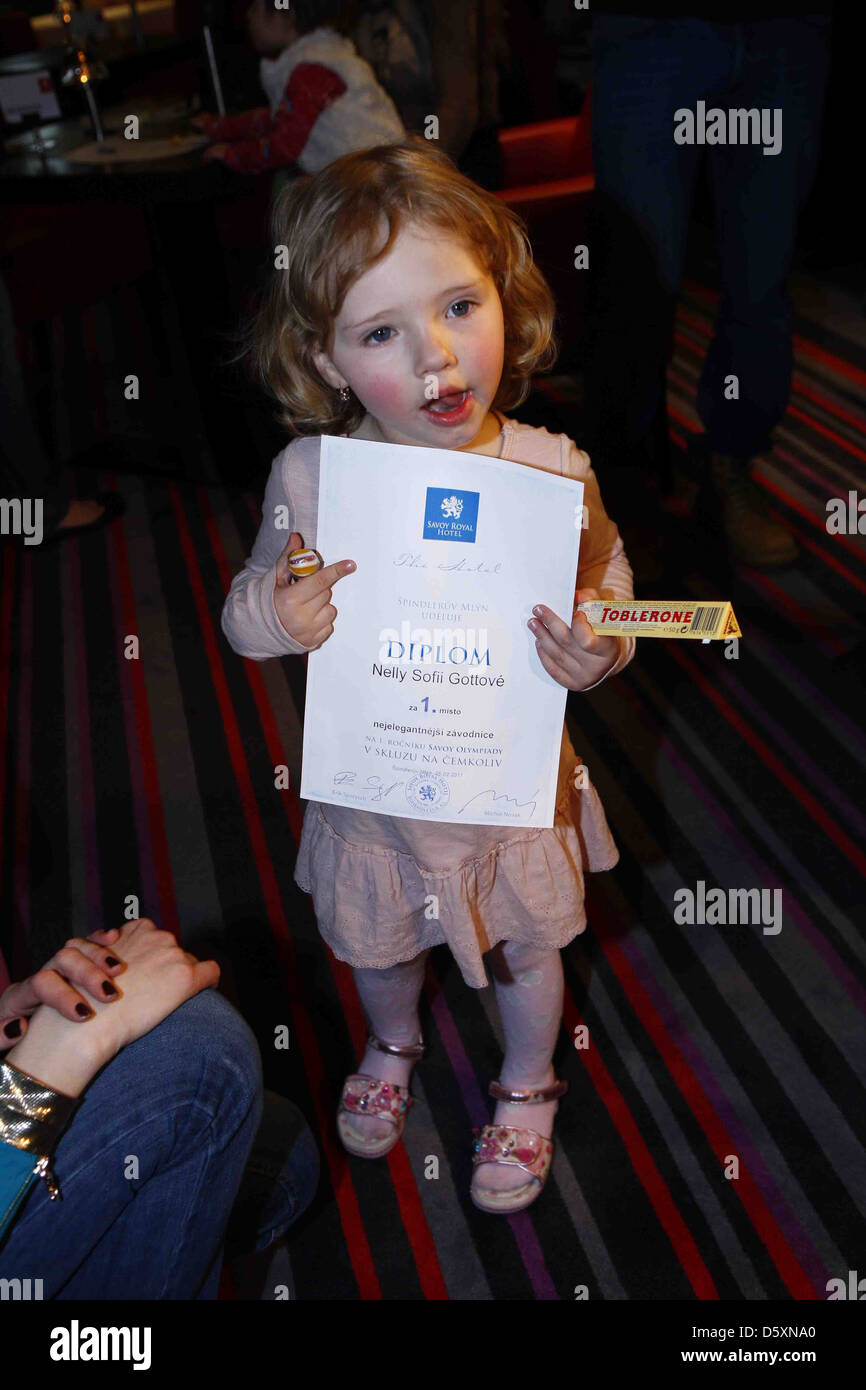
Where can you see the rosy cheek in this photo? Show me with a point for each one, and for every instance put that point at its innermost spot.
(381, 395)
(491, 349)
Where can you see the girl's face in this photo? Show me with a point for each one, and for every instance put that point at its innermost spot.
(425, 320)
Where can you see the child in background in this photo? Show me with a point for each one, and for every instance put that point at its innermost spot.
(401, 271)
(324, 98)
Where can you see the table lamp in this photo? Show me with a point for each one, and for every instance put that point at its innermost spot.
(79, 70)
(210, 20)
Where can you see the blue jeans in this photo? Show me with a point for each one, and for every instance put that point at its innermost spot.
(644, 70)
(150, 1166)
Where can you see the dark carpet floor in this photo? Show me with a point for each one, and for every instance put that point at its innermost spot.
(712, 1142)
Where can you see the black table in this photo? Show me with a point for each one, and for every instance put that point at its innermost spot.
(178, 198)
(127, 65)
(26, 177)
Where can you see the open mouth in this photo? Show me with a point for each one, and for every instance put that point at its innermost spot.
(449, 406)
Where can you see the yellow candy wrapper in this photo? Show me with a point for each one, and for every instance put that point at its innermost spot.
(304, 562)
(661, 618)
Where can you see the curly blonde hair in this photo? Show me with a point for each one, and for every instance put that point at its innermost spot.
(325, 228)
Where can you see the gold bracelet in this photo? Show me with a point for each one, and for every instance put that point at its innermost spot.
(33, 1117)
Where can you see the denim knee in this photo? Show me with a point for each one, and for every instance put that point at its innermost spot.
(207, 1040)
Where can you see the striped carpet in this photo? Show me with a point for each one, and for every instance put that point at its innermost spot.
(710, 1047)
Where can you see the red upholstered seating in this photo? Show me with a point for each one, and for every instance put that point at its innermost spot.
(538, 153)
(549, 182)
(546, 152)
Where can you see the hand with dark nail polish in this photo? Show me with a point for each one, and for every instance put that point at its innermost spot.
(159, 976)
(75, 973)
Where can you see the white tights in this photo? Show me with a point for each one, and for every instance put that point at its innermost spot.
(528, 984)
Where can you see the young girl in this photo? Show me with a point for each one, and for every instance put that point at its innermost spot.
(401, 272)
(324, 98)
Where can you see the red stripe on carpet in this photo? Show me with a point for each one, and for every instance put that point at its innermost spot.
(676, 414)
(405, 1187)
(418, 1232)
(276, 751)
(804, 388)
(791, 1271)
(856, 422)
(22, 813)
(820, 523)
(357, 1245)
(647, 1173)
(169, 919)
(827, 433)
(7, 595)
(848, 575)
(797, 615)
(802, 345)
(773, 488)
(817, 813)
(677, 505)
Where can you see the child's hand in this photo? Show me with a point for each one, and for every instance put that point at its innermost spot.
(214, 151)
(574, 656)
(304, 605)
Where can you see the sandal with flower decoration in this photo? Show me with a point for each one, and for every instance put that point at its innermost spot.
(521, 1148)
(386, 1100)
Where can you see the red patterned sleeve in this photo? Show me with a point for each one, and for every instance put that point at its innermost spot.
(310, 89)
(243, 127)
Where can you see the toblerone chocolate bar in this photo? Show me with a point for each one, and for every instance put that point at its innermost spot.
(661, 618)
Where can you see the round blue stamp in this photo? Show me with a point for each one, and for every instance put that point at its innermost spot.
(427, 791)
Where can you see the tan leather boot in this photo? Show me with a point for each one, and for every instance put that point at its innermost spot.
(740, 511)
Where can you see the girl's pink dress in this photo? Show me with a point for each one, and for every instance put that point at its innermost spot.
(371, 876)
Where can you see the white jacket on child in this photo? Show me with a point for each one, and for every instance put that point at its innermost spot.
(362, 117)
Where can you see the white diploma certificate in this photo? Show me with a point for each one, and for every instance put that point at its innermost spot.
(429, 699)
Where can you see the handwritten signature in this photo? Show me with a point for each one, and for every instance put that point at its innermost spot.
(373, 784)
(503, 796)
(462, 566)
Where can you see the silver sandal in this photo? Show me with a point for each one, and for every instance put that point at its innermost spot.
(521, 1148)
(367, 1095)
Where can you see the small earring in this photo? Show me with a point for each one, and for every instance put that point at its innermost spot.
(344, 394)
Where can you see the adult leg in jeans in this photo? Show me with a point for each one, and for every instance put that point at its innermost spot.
(781, 66)
(149, 1167)
(644, 70)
